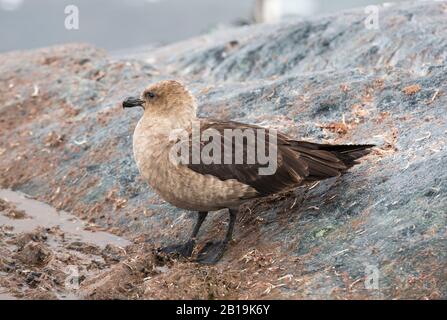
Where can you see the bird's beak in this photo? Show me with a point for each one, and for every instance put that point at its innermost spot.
(132, 102)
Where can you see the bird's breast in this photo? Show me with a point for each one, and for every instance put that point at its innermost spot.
(178, 184)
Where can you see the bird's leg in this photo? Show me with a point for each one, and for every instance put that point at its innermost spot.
(214, 250)
(185, 249)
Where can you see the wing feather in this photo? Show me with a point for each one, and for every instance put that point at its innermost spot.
(297, 161)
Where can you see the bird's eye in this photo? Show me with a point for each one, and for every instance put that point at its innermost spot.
(150, 95)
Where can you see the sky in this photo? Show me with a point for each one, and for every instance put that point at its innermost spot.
(116, 25)
(113, 24)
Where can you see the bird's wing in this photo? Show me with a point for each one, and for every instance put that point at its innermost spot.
(296, 161)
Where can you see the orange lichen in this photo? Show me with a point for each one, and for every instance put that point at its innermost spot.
(344, 87)
(410, 90)
(337, 127)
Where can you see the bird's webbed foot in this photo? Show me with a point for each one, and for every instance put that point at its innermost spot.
(212, 252)
(182, 249)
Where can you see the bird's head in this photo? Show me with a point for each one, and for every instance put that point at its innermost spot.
(167, 98)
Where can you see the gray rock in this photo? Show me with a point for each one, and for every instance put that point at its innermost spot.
(386, 220)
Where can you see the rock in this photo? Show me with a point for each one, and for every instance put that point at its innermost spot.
(9, 210)
(113, 254)
(84, 247)
(378, 232)
(40, 235)
(34, 254)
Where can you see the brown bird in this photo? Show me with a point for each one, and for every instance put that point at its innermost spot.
(195, 163)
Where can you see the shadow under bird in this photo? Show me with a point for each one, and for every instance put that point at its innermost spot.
(205, 186)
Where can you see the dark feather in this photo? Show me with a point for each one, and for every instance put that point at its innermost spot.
(297, 161)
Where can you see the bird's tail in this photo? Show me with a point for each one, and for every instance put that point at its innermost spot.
(348, 153)
(325, 160)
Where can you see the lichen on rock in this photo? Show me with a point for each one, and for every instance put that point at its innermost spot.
(327, 79)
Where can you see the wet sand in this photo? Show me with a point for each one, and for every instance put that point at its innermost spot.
(42, 215)
(4, 295)
(41, 248)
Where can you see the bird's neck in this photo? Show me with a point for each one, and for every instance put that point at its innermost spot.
(153, 135)
(158, 123)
